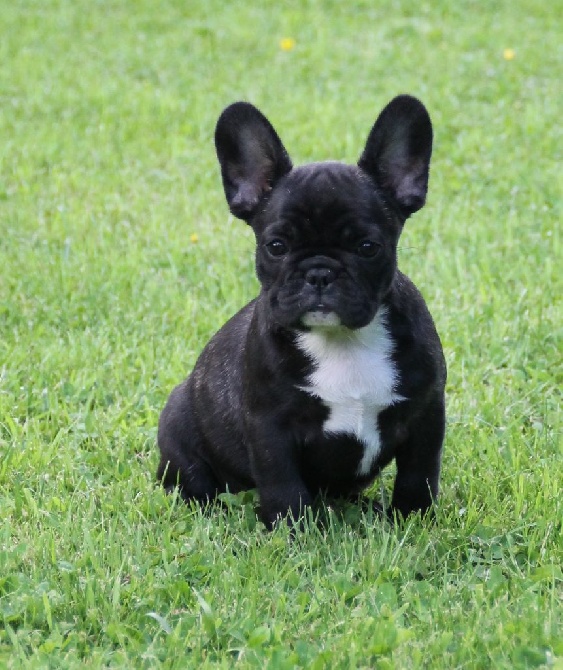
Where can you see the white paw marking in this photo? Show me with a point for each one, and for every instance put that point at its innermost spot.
(354, 375)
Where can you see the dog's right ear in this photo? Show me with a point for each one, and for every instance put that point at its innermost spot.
(251, 155)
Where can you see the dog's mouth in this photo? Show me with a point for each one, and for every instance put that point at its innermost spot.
(321, 316)
(341, 303)
(321, 310)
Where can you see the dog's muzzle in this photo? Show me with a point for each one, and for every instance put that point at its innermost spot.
(319, 274)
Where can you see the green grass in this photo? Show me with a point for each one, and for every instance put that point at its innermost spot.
(107, 112)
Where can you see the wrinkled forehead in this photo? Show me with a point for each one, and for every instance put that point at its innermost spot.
(322, 191)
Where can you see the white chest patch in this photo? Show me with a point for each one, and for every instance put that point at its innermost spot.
(355, 378)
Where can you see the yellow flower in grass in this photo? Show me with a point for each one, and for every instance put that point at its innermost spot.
(194, 238)
(287, 43)
(509, 54)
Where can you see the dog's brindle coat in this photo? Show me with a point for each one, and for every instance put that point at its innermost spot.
(336, 367)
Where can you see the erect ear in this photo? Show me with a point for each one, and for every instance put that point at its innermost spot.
(397, 153)
(251, 156)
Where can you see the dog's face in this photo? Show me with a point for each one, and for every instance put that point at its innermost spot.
(325, 247)
(326, 233)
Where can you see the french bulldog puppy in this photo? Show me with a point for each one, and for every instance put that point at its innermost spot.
(336, 367)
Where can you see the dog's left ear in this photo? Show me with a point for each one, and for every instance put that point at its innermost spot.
(251, 155)
(397, 153)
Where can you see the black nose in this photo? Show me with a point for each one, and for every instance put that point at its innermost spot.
(320, 277)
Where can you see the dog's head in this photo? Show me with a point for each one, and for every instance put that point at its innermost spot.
(326, 233)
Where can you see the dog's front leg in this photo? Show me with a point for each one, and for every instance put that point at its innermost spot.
(282, 492)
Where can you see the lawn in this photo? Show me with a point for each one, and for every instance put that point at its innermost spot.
(118, 260)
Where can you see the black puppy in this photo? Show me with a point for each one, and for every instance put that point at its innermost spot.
(336, 367)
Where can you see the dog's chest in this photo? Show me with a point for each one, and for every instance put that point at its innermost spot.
(355, 377)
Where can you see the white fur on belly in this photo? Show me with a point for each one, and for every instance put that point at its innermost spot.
(355, 377)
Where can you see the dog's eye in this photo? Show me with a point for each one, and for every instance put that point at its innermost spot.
(276, 248)
(368, 248)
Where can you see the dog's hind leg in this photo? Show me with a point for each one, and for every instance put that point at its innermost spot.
(180, 463)
(194, 478)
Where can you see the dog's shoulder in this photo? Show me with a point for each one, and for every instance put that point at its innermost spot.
(224, 350)
(417, 343)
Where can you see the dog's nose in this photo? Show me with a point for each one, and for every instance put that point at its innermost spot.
(320, 277)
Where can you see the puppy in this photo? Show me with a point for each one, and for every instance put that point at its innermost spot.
(336, 367)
